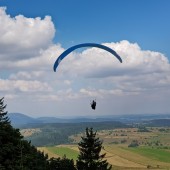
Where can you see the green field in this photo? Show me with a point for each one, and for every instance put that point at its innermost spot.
(61, 151)
(139, 156)
(121, 157)
(153, 153)
(153, 150)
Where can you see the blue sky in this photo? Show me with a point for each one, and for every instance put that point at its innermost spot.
(34, 33)
(145, 22)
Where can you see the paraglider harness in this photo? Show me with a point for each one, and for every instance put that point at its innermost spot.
(93, 105)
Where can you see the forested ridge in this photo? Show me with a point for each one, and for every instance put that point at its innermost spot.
(58, 133)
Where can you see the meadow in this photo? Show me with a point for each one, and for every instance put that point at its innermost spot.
(152, 152)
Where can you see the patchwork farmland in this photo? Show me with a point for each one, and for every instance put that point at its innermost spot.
(153, 150)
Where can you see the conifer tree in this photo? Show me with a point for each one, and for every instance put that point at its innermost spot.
(90, 158)
(9, 139)
(15, 152)
(3, 114)
(61, 163)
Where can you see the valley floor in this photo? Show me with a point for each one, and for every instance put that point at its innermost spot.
(119, 156)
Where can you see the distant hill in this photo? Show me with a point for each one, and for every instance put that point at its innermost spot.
(59, 133)
(18, 119)
(158, 122)
(74, 120)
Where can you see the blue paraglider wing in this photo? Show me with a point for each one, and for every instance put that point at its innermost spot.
(69, 50)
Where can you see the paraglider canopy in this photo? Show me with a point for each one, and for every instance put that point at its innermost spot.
(69, 50)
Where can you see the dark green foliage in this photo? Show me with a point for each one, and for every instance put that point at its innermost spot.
(16, 153)
(90, 157)
(142, 129)
(61, 164)
(158, 122)
(163, 130)
(123, 141)
(134, 143)
(9, 140)
(58, 133)
(31, 158)
(49, 138)
(4, 120)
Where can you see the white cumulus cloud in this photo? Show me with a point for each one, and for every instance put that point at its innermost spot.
(23, 37)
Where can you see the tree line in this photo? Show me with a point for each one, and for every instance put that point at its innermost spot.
(59, 133)
(16, 153)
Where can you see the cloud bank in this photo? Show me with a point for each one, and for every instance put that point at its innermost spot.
(141, 84)
(23, 38)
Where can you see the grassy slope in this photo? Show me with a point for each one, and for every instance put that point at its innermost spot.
(120, 157)
(140, 156)
(61, 151)
(153, 153)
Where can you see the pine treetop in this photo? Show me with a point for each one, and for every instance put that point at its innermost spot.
(90, 147)
(3, 114)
